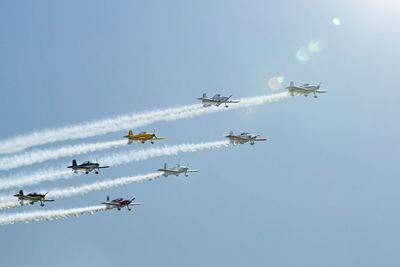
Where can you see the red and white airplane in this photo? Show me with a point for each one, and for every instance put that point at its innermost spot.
(119, 203)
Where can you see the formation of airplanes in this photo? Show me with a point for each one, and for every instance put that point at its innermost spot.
(86, 167)
(142, 137)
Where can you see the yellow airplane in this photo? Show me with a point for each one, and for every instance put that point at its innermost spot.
(142, 137)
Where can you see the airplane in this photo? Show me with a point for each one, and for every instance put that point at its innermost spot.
(86, 167)
(176, 170)
(304, 89)
(142, 137)
(119, 203)
(244, 138)
(32, 198)
(216, 100)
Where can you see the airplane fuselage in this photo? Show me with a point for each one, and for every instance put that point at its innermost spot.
(32, 198)
(176, 170)
(216, 100)
(305, 89)
(142, 137)
(244, 138)
(86, 167)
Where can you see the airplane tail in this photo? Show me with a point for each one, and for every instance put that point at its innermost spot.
(108, 198)
(231, 133)
(204, 95)
(21, 192)
(130, 134)
(74, 164)
(319, 85)
(165, 166)
(291, 83)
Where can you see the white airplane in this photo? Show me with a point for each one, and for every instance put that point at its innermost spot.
(176, 170)
(244, 138)
(216, 100)
(119, 203)
(304, 89)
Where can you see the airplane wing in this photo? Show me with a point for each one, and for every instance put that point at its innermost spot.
(111, 203)
(135, 204)
(48, 200)
(169, 171)
(301, 90)
(27, 198)
(130, 141)
(260, 139)
(192, 171)
(104, 167)
(321, 91)
(233, 101)
(159, 138)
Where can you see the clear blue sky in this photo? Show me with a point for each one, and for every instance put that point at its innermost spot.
(323, 191)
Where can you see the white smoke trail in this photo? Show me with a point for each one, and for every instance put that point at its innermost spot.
(49, 215)
(35, 178)
(105, 126)
(97, 186)
(143, 154)
(9, 204)
(113, 160)
(38, 156)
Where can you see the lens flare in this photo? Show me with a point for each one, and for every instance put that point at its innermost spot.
(275, 82)
(314, 46)
(303, 54)
(336, 21)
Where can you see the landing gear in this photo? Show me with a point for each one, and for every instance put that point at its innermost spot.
(87, 172)
(129, 209)
(118, 208)
(152, 142)
(41, 204)
(96, 172)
